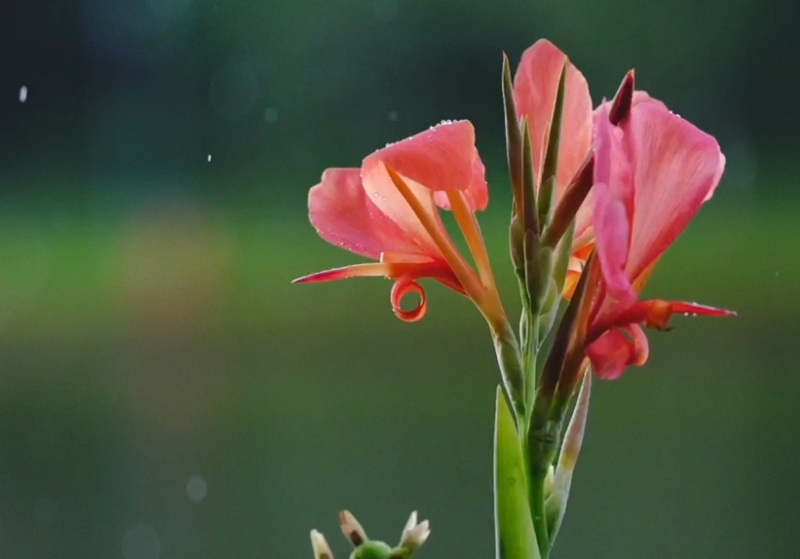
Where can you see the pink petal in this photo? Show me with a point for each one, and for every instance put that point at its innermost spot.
(477, 194)
(396, 266)
(371, 269)
(695, 309)
(440, 158)
(654, 313)
(618, 348)
(613, 211)
(535, 89)
(382, 191)
(639, 97)
(344, 216)
(644, 97)
(676, 167)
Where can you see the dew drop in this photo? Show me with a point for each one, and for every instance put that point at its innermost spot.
(209, 158)
(23, 94)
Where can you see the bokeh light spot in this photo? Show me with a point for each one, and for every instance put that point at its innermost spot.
(141, 542)
(197, 488)
(270, 115)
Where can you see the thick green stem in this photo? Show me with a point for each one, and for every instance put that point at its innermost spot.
(511, 368)
(542, 446)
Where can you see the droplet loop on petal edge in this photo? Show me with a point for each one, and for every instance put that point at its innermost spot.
(403, 287)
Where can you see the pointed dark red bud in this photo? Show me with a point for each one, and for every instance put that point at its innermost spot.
(623, 100)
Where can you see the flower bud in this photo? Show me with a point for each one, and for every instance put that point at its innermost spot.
(623, 100)
(352, 529)
(321, 548)
(414, 534)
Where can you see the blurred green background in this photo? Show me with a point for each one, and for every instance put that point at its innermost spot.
(166, 393)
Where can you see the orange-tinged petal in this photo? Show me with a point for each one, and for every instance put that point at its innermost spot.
(343, 215)
(655, 313)
(616, 341)
(535, 88)
(476, 195)
(384, 194)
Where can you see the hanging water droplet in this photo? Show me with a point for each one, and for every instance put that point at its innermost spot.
(23, 94)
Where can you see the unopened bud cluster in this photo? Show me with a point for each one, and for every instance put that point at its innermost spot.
(413, 536)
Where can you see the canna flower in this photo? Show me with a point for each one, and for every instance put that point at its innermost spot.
(535, 90)
(388, 211)
(652, 174)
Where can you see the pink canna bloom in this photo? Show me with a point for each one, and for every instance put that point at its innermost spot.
(388, 211)
(652, 173)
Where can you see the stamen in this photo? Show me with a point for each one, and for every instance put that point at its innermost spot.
(463, 272)
(472, 233)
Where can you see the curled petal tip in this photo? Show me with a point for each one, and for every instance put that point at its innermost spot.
(405, 287)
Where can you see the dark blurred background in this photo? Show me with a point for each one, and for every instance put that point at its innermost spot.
(166, 393)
